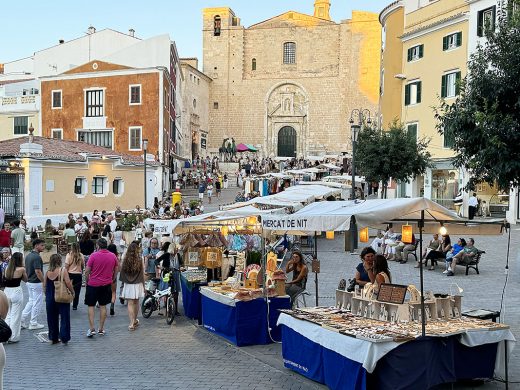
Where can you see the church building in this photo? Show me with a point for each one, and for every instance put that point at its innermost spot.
(288, 85)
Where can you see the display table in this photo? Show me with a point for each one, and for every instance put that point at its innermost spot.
(343, 362)
(242, 322)
(191, 299)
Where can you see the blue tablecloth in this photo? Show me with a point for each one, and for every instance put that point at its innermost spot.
(418, 364)
(244, 323)
(191, 299)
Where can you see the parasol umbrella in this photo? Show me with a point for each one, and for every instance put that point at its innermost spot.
(242, 148)
(251, 148)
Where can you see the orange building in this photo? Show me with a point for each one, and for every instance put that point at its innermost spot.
(113, 106)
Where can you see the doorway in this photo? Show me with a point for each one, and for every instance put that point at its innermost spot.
(287, 142)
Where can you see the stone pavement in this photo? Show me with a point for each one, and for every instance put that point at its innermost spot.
(186, 356)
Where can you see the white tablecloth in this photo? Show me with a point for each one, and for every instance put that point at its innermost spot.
(207, 292)
(369, 353)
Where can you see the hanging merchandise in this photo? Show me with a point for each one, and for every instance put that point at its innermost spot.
(212, 257)
(240, 262)
(192, 257)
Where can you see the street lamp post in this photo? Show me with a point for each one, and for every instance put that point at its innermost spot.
(145, 149)
(358, 117)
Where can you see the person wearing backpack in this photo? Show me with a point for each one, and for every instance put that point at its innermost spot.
(58, 314)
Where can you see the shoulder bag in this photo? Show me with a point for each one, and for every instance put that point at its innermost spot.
(61, 292)
(5, 331)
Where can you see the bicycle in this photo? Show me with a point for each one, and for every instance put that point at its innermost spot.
(152, 299)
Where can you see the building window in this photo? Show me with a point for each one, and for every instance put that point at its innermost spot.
(289, 53)
(118, 187)
(135, 94)
(450, 85)
(98, 185)
(98, 138)
(452, 41)
(57, 133)
(56, 99)
(412, 93)
(215, 105)
(94, 103)
(217, 25)
(21, 125)
(486, 21)
(415, 53)
(80, 186)
(411, 129)
(449, 139)
(135, 135)
(194, 103)
(253, 64)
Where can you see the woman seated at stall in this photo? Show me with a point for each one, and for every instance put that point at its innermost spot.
(299, 279)
(381, 272)
(364, 270)
(440, 253)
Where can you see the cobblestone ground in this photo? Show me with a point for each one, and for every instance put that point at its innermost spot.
(185, 356)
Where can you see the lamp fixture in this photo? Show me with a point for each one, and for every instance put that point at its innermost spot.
(442, 230)
(363, 235)
(407, 234)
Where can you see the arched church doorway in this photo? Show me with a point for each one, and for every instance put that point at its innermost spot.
(287, 142)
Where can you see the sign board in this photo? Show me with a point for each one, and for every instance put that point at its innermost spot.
(392, 293)
(316, 266)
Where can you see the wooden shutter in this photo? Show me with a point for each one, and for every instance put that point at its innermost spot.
(444, 86)
(445, 43)
(421, 51)
(480, 24)
(459, 39)
(407, 94)
(409, 54)
(457, 83)
(419, 85)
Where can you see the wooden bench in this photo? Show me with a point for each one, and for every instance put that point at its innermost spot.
(414, 253)
(474, 262)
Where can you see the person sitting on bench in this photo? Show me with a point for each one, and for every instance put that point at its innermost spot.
(464, 257)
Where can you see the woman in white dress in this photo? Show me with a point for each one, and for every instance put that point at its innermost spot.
(132, 275)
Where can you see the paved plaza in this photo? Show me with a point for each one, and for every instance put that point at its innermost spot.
(184, 355)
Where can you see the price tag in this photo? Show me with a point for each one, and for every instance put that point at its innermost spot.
(316, 266)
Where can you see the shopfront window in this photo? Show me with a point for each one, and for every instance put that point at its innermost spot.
(445, 187)
(492, 202)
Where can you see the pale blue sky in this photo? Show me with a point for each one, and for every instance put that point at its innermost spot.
(31, 25)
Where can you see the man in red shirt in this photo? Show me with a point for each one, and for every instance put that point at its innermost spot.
(5, 236)
(100, 273)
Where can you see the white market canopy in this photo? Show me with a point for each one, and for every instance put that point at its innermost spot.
(329, 167)
(335, 216)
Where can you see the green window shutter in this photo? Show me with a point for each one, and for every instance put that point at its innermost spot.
(445, 43)
(419, 85)
(409, 55)
(412, 131)
(480, 24)
(457, 83)
(407, 94)
(459, 39)
(444, 86)
(421, 51)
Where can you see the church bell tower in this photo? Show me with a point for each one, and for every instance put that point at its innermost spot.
(322, 9)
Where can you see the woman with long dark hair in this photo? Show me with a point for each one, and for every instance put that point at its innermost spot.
(299, 279)
(132, 275)
(13, 275)
(75, 264)
(381, 271)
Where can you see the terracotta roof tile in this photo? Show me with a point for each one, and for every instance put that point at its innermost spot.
(64, 150)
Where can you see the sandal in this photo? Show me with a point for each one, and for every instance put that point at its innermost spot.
(131, 328)
(136, 323)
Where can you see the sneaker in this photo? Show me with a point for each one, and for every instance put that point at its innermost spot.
(445, 272)
(101, 332)
(36, 326)
(90, 333)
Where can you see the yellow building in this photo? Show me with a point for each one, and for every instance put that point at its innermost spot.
(48, 178)
(288, 84)
(423, 62)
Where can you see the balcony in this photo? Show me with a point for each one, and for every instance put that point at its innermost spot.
(19, 104)
(95, 122)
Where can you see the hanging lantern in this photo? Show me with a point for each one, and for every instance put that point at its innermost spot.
(224, 230)
(329, 235)
(252, 220)
(363, 235)
(406, 234)
(443, 231)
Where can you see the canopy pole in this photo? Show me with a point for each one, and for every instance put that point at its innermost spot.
(423, 316)
(316, 256)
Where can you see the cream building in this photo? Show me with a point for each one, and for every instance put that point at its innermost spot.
(195, 106)
(288, 84)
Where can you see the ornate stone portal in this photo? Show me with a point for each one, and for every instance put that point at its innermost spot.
(286, 107)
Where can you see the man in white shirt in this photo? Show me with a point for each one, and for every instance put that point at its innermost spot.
(472, 206)
(80, 227)
(112, 222)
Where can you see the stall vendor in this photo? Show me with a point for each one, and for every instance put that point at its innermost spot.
(299, 269)
(364, 270)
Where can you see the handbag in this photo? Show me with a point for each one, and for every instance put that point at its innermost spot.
(61, 292)
(5, 331)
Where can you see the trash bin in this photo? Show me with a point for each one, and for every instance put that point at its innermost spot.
(176, 198)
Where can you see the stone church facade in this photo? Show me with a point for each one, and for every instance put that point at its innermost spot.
(288, 85)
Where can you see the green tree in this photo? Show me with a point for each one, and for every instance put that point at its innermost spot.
(483, 122)
(381, 155)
